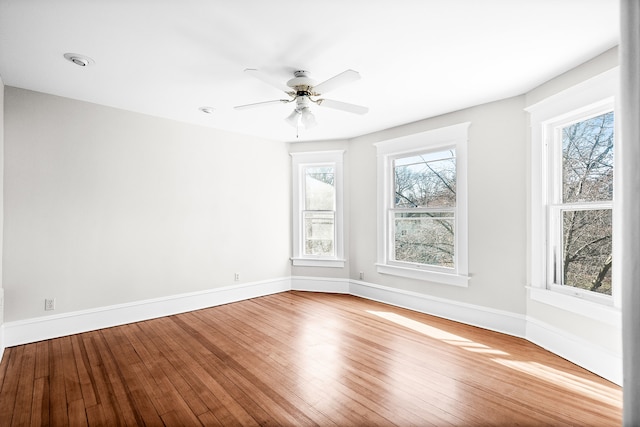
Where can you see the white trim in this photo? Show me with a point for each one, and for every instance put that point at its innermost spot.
(596, 359)
(470, 314)
(422, 274)
(455, 136)
(320, 284)
(581, 96)
(587, 97)
(318, 262)
(2, 341)
(328, 156)
(47, 327)
(300, 160)
(435, 138)
(578, 305)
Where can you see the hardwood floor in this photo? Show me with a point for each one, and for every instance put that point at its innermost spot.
(299, 359)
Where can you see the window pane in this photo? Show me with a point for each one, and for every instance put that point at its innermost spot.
(319, 187)
(587, 249)
(587, 160)
(427, 180)
(319, 233)
(425, 238)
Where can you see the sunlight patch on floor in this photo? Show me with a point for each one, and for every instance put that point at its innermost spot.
(436, 333)
(600, 392)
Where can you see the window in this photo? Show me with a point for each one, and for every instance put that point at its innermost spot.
(422, 218)
(581, 201)
(424, 209)
(572, 189)
(317, 209)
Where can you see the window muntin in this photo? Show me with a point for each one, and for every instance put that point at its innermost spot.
(423, 212)
(580, 209)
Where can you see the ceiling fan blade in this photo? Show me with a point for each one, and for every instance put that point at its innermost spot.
(260, 104)
(268, 79)
(343, 78)
(344, 106)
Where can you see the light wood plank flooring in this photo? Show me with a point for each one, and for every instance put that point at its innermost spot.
(297, 359)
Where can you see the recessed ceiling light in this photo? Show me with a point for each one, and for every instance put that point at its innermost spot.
(78, 59)
(207, 110)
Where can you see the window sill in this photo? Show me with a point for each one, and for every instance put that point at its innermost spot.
(429, 276)
(317, 262)
(577, 305)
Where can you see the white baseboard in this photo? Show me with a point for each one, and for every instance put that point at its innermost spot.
(320, 284)
(483, 317)
(583, 353)
(2, 344)
(2, 341)
(47, 327)
(574, 349)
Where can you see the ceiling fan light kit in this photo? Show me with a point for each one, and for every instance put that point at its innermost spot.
(304, 91)
(303, 118)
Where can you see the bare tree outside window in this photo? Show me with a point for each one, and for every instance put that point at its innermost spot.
(587, 192)
(424, 208)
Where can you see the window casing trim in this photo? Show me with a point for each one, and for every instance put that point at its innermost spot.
(552, 156)
(301, 161)
(590, 98)
(455, 136)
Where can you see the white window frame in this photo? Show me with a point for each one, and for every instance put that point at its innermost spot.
(552, 156)
(301, 161)
(590, 98)
(456, 137)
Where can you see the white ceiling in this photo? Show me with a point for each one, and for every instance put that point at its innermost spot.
(417, 58)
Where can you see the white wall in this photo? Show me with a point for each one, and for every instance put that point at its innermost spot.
(104, 206)
(2, 342)
(496, 179)
(497, 241)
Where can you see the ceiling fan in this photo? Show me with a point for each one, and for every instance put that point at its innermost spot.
(304, 91)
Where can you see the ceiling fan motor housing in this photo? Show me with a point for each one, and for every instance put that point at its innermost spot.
(301, 83)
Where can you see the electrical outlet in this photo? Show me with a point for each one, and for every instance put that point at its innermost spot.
(49, 304)
(361, 275)
(236, 277)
